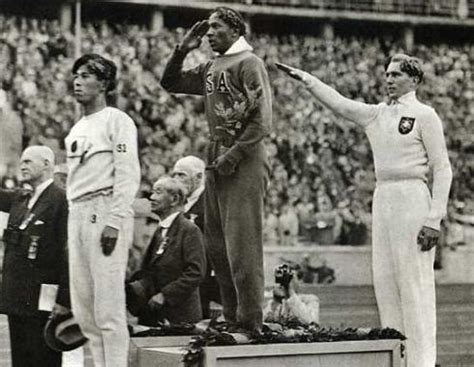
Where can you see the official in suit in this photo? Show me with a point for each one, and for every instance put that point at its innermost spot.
(167, 285)
(35, 258)
(190, 170)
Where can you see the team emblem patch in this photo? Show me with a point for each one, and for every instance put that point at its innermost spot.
(406, 125)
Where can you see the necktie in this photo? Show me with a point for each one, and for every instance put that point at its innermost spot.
(159, 243)
(25, 211)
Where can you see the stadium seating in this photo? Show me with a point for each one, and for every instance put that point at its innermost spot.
(313, 153)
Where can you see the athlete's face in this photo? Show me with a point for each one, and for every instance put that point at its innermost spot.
(220, 35)
(87, 87)
(398, 82)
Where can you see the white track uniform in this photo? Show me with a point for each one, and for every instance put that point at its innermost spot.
(104, 176)
(406, 139)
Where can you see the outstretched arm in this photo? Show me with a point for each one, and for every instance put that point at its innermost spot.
(358, 112)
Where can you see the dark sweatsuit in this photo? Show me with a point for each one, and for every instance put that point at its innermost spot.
(233, 203)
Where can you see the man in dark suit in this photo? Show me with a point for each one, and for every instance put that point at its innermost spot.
(34, 265)
(166, 286)
(190, 170)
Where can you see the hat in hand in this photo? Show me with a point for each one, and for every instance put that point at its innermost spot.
(62, 333)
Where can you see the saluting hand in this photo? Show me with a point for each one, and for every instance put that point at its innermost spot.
(108, 240)
(427, 238)
(193, 37)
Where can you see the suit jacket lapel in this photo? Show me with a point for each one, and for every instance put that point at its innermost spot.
(42, 204)
(169, 240)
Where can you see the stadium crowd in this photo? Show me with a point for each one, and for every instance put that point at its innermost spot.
(321, 166)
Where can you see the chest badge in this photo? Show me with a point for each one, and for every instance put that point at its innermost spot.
(406, 125)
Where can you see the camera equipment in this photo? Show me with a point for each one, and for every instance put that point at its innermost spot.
(283, 275)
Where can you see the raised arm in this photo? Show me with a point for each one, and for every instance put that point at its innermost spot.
(358, 112)
(177, 80)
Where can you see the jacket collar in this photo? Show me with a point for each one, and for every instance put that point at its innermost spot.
(38, 191)
(239, 46)
(193, 198)
(407, 98)
(168, 221)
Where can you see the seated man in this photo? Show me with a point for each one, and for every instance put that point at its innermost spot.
(167, 284)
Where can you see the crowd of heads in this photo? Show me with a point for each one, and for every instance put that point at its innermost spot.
(316, 157)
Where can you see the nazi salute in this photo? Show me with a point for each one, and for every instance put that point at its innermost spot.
(407, 141)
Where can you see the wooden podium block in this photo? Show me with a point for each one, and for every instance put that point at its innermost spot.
(377, 353)
(137, 345)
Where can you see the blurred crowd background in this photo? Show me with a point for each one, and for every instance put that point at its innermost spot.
(322, 172)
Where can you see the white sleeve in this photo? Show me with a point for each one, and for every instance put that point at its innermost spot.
(435, 145)
(126, 169)
(360, 113)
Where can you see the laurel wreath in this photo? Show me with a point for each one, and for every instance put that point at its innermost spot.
(291, 331)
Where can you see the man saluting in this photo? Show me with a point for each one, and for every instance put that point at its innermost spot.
(237, 97)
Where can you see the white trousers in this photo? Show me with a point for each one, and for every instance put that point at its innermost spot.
(97, 282)
(403, 274)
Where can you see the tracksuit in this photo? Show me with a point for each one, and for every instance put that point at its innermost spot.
(104, 176)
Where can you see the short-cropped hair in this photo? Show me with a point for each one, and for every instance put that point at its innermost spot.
(232, 18)
(101, 67)
(174, 187)
(408, 64)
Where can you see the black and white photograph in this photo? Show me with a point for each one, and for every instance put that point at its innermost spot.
(210, 183)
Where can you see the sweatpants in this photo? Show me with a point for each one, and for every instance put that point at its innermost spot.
(97, 281)
(403, 274)
(233, 230)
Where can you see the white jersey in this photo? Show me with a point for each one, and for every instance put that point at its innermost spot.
(102, 153)
(407, 139)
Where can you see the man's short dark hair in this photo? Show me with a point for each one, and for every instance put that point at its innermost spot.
(101, 67)
(408, 64)
(232, 18)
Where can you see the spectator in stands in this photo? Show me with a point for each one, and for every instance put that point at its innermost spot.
(328, 222)
(288, 226)
(448, 86)
(270, 229)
